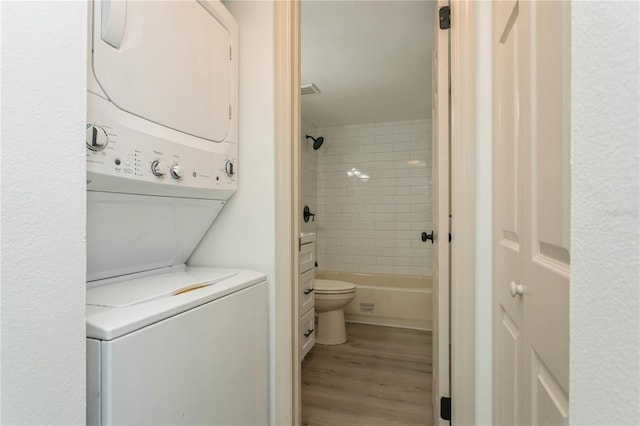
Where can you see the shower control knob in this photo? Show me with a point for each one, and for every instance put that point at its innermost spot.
(176, 171)
(230, 168)
(158, 168)
(97, 138)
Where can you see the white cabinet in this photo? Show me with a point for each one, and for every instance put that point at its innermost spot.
(306, 294)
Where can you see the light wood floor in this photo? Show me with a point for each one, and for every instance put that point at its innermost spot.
(380, 376)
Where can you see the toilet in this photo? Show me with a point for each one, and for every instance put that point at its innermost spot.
(331, 297)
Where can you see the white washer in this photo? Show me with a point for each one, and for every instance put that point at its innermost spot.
(166, 343)
(162, 357)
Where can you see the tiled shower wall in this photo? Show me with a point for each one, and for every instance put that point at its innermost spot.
(374, 198)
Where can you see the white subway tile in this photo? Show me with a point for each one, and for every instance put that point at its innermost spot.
(377, 269)
(339, 267)
(412, 128)
(393, 260)
(377, 234)
(409, 146)
(405, 235)
(375, 131)
(420, 154)
(391, 157)
(364, 225)
(422, 137)
(341, 149)
(395, 139)
(377, 251)
(376, 147)
(337, 132)
(395, 123)
(395, 226)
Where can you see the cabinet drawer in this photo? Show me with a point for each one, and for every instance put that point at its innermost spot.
(307, 333)
(307, 257)
(306, 295)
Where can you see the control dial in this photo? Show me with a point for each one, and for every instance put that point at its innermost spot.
(176, 171)
(158, 168)
(230, 168)
(97, 138)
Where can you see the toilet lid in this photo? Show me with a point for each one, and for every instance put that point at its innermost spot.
(333, 286)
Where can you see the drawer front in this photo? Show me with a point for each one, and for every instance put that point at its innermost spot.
(307, 257)
(307, 333)
(306, 295)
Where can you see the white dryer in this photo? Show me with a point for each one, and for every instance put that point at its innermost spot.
(166, 343)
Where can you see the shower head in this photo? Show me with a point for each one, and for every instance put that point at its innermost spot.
(317, 142)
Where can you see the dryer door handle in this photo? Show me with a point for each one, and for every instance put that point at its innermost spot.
(113, 17)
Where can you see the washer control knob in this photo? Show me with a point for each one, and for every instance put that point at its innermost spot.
(230, 168)
(176, 171)
(158, 168)
(97, 138)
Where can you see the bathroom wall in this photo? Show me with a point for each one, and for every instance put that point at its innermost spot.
(374, 198)
(308, 171)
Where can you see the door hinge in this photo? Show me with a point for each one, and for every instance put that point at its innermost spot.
(445, 17)
(229, 112)
(300, 244)
(445, 408)
(230, 55)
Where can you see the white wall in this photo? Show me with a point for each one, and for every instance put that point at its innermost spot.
(42, 329)
(243, 235)
(374, 198)
(604, 312)
(308, 176)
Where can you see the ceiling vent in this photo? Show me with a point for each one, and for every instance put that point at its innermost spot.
(310, 89)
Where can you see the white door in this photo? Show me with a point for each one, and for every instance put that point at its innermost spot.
(531, 62)
(440, 200)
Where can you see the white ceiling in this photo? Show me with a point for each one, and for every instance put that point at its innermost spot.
(370, 59)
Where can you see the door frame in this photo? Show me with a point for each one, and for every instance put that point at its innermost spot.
(286, 396)
(463, 209)
(441, 190)
(286, 380)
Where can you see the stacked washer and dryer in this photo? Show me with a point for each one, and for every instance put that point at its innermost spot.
(166, 343)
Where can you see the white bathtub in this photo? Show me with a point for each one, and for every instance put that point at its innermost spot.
(389, 300)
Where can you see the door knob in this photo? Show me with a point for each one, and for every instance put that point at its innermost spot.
(516, 289)
(426, 237)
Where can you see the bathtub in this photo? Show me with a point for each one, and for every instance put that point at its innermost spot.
(390, 300)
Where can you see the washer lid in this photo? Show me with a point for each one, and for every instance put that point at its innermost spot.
(146, 289)
(333, 286)
(115, 310)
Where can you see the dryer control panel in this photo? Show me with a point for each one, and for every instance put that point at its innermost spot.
(154, 164)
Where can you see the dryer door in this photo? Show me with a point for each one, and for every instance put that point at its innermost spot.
(168, 62)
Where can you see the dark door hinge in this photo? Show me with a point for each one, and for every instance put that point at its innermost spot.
(445, 408)
(445, 17)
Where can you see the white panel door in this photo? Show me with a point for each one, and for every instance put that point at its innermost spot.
(440, 200)
(531, 54)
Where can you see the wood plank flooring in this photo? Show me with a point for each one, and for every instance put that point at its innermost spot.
(380, 376)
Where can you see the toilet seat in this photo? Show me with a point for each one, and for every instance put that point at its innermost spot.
(322, 286)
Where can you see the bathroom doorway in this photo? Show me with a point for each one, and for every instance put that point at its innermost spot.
(366, 76)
